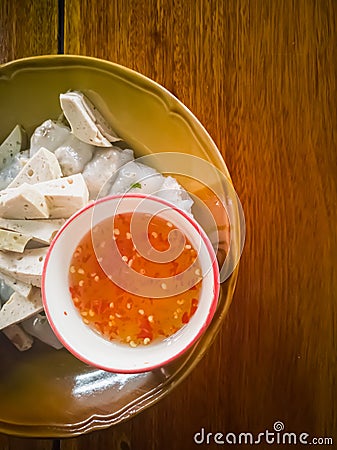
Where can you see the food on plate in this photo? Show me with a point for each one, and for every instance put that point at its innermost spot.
(119, 314)
(38, 327)
(17, 307)
(86, 122)
(12, 145)
(5, 291)
(23, 202)
(26, 266)
(12, 155)
(13, 241)
(19, 337)
(100, 169)
(54, 199)
(50, 135)
(139, 178)
(42, 166)
(41, 231)
(13, 285)
(64, 196)
(73, 155)
(69, 162)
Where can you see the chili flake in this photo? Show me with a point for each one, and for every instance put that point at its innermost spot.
(120, 315)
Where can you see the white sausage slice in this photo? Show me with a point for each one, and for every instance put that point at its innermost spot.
(86, 122)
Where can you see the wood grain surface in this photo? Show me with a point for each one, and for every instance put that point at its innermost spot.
(27, 28)
(261, 76)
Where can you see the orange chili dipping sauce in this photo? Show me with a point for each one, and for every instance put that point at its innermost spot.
(120, 315)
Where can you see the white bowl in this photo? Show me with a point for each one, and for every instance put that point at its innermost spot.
(79, 338)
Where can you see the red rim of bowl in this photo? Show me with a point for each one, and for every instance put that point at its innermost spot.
(215, 270)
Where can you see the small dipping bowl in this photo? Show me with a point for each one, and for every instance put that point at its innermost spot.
(87, 344)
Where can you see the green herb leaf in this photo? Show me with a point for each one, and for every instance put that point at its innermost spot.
(136, 185)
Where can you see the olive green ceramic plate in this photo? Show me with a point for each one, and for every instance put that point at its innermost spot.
(49, 393)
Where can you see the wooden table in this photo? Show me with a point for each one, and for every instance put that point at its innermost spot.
(261, 75)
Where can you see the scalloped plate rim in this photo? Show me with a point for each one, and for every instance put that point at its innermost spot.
(96, 421)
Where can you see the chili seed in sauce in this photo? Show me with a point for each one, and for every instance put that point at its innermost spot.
(120, 315)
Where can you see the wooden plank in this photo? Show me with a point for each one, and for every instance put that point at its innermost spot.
(14, 443)
(27, 28)
(261, 76)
